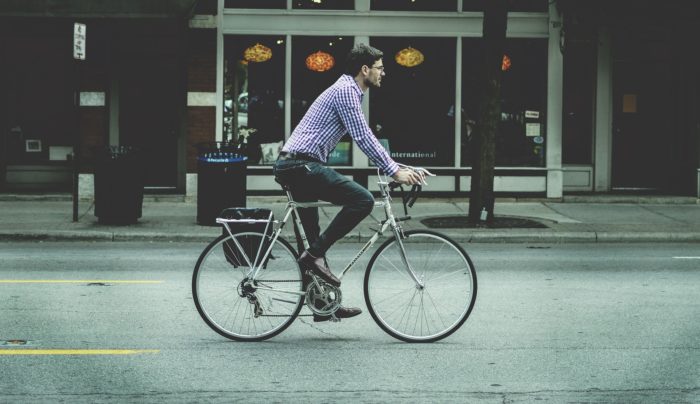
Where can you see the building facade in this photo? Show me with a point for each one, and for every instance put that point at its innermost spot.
(594, 98)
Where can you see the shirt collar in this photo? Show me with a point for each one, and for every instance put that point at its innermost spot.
(357, 88)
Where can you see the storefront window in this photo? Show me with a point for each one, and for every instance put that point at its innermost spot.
(513, 5)
(254, 94)
(521, 137)
(255, 4)
(579, 89)
(414, 5)
(317, 62)
(324, 4)
(412, 109)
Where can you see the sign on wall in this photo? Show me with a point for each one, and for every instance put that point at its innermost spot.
(79, 38)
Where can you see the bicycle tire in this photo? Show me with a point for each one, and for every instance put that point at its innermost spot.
(216, 283)
(444, 267)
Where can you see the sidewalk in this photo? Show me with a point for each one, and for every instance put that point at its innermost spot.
(576, 219)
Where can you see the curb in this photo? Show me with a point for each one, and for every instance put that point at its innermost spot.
(462, 237)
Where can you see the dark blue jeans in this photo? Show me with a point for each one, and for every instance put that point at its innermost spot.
(311, 182)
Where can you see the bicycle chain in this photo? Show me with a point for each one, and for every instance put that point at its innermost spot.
(299, 316)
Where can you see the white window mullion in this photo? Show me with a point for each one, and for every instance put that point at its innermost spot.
(288, 86)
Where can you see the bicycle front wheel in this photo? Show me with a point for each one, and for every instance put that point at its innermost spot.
(241, 309)
(420, 314)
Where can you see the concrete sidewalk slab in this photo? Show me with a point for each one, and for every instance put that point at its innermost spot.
(171, 220)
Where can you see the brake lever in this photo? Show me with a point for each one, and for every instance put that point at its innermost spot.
(393, 185)
(413, 195)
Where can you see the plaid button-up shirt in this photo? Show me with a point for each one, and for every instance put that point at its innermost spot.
(338, 111)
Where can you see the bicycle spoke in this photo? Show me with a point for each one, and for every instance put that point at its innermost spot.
(431, 280)
(230, 303)
(404, 273)
(428, 313)
(377, 303)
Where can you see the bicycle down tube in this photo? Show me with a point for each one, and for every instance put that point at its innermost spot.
(292, 206)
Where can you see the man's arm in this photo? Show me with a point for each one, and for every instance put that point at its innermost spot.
(349, 109)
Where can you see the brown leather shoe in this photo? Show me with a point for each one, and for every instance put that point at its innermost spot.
(343, 312)
(318, 267)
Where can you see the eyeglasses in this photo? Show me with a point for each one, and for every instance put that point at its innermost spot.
(380, 68)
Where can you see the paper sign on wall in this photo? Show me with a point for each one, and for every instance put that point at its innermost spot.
(79, 41)
(532, 129)
(629, 103)
(532, 114)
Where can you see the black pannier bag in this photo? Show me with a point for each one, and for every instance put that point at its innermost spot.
(249, 243)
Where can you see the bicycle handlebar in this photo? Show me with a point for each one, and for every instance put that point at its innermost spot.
(409, 199)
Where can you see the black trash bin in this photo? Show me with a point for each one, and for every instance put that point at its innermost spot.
(118, 185)
(221, 180)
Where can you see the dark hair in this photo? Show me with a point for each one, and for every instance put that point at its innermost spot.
(359, 56)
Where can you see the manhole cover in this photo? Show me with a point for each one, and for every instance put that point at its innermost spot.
(498, 222)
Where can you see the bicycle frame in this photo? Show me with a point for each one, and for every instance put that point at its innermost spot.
(292, 207)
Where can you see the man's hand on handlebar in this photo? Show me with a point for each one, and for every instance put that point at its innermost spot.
(409, 177)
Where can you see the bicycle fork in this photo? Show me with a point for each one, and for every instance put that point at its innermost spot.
(398, 233)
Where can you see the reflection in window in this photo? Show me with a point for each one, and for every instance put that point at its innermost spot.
(521, 137)
(513, 5)
(317, 62)
(254, 94)
(414, 5)
(255, 4)
(324, 4)
(412, 109)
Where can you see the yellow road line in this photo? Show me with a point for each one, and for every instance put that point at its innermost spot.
(15, 351)
(76, 281)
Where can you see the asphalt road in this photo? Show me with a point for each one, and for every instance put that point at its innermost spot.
(554, 323)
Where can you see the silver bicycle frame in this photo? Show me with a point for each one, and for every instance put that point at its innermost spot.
(292, 207)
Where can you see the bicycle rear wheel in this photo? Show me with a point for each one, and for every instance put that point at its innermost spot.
(236, 308)
(408, 312)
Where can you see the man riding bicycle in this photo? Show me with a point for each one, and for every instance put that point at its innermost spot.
(301, 164)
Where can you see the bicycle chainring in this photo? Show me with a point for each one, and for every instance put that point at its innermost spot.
(324, 301)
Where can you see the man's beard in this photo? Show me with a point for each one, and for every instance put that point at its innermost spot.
(370, 84)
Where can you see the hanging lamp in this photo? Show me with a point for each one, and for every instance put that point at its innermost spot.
(320, 61)
(409, 57)
(505, 64)
(257, 53)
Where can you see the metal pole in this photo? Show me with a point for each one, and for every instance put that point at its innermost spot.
(79, 36)
(76, 145)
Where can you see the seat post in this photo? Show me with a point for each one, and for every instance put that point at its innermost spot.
(289, 195)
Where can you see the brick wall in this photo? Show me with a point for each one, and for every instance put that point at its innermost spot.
(200, 128)
(93, 135)
(201, 68)
(201, 78)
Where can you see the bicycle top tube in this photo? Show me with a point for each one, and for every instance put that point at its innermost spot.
(323, 204)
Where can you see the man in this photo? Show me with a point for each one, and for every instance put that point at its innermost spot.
(301, 165)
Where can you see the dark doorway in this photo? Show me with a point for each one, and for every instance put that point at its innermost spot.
(150, 98)
(641, 139)
(647, 137)
(148, 118)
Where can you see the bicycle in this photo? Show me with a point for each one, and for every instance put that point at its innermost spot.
(419, 285)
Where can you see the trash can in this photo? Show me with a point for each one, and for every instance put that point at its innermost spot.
(118, 185)
(221, 180)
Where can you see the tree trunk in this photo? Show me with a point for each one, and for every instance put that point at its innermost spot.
(482, 196)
